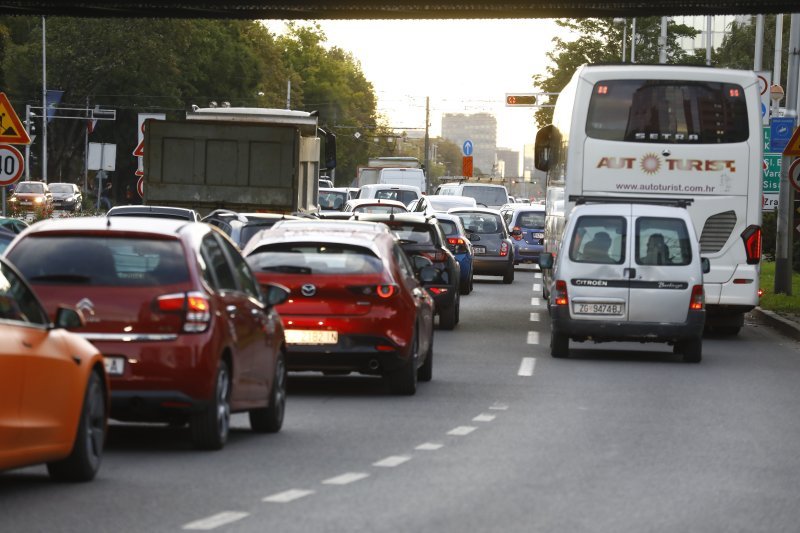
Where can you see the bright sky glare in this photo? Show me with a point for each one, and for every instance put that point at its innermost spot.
(464, 66)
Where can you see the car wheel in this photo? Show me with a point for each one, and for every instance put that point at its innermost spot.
(466, 288)
(692, 350)
(458, 309)
(87, 450)
(448, 316)
(425, 372)
(509, 275)
(210, 428)
(403, 381)
(559, 345)
(270, 418)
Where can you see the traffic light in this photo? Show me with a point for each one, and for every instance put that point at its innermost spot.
(521, 100)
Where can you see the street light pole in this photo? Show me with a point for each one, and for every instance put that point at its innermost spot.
(44, 101)
(633, 41)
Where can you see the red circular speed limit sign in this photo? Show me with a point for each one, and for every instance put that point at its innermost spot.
(11, 164)
(794, 174)
(140, 186)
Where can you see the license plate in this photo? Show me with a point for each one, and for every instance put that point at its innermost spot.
(598, 309)
(538, 235)
(115, 366)
(309, 336)
(479, 249)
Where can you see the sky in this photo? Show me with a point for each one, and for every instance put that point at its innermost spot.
(464, 66)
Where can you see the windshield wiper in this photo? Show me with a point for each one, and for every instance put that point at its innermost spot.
(287, 269)
(71, 278)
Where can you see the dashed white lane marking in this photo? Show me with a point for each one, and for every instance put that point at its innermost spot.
(430, 447)
(538, 275)
(345, 479)
(527, 366)
(288, 496)
(392, 461)
(536, 301)
(535, 317)
(213, 522)
(537, 287)
(499, 407)
(460, 431)
(533, 337)
(483, 417)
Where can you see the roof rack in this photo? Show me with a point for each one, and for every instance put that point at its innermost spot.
(676, 202)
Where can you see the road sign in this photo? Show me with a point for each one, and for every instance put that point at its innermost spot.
(521, 100)
(771, 175)
(11, 164)
(794, 174)
(140, 186)
(466, 166)
(793, 146)
(11, 129)
(467, 148)
(764, 81)
(780, 132)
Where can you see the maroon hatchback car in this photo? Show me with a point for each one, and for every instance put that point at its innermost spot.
(186, 332)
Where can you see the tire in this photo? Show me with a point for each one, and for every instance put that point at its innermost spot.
(425, 372)
(211, 427)
(508, 278)
(559, 345)
(692, 350)
(466, 288)
(448, 317)
(458, 309)
(403, 381)
(84, 461)
(270, 418)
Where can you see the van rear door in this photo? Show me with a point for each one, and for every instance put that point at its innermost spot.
(664, 265)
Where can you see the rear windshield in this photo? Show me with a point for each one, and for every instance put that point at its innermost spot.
(449, 227)
(314, 258)
(250, 229)
(531, 219)
(486, 195)
(481, 222)
(662, 241)
(412, 233)
(401, 196)
(668, 111)
(379, 209)
(332, 200)
(61, 187)
(89, 260)
(598, 239)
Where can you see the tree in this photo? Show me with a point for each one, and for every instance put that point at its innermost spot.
(599, 41)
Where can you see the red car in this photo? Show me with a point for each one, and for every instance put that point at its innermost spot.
(355, 303)
(186, 332)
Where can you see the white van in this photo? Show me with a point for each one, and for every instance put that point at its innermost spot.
(628, 272)
(402, 193)
(488, 195)
(402, 176)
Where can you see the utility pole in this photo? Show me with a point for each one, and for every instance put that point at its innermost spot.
(662, 42)
(759, 51)
(633, 41)
(776, 68)
(427, 140)
(709, 39)
(783, 246)
(44, 101)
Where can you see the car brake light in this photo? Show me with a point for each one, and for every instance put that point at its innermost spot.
(752, 244)
(503, 249)
(455, 241)
(386, 291)
(516, 232)
(383, 291)
(194, 305)
(698, 299)
(457, 245)
(438, 290)
(560, 293)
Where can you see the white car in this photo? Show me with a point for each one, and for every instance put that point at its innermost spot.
(441, 203)
(402, 193)
(374, 206)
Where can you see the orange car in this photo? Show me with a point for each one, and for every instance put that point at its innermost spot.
(53, 387)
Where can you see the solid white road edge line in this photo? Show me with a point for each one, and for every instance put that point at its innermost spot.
(392, 461)
(460, 431)
(288, 496)
(344, 479)
(527, 366)
(213, 522)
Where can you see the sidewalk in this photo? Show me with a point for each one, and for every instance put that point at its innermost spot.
(787, 326)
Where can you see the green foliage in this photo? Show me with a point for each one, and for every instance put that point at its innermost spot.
(599, 41)
(738, 46)
(779, 303)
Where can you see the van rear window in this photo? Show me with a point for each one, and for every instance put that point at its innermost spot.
(668, 111)
(598, 239)
(662, 241)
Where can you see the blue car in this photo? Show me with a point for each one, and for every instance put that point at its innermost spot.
(460, 246)
(529, 240)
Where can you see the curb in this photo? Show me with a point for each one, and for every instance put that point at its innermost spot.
(783, 325)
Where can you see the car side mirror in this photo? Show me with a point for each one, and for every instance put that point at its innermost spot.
(546, 260)
(274, 294)
(68, 318)
(706, 264)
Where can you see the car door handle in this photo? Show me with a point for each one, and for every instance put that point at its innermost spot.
(629, 273)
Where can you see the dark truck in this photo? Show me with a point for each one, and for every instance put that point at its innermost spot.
(242, 159)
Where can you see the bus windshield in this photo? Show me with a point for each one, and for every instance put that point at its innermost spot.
(668, 111)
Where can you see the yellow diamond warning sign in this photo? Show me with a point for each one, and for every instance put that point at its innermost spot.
(11, 129)
(793, 146)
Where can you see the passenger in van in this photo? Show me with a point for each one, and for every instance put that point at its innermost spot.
(596, 250)
(657, 251)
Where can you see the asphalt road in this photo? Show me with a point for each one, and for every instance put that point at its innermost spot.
(618, 438)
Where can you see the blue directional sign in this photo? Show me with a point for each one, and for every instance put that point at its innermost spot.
(781, 129)
(467, 148)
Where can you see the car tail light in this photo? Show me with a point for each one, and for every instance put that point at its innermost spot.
(503, 249)
(752, 244)
(438, 290)
(194, 305)
(516, 232)
(386, 291)
(457, 245)
(560, 293)
(698, 299)
(760, 292)
(436, 257)
(382, 291)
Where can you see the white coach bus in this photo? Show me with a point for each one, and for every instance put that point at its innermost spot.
(659, 131)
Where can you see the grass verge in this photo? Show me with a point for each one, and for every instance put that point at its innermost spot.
(779, 303)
